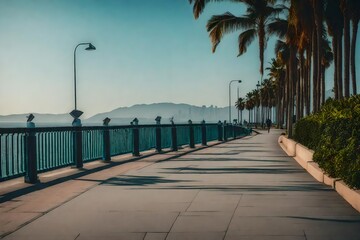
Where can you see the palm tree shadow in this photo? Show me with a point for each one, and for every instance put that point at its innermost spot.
(129, 180)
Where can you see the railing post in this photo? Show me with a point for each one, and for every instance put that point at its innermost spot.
(225, 131)
(106, 140)
(174, 146)
(136, 140)
(203, 133)
(158, 134)
(77, 144)
(30, 155)
(220, 131)
(191, 135)
(234, 131)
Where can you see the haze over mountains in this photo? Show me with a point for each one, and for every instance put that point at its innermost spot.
(146, 113)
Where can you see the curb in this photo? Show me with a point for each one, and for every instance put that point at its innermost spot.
(304, 156)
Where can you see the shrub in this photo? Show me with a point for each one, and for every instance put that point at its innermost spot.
(334, 135)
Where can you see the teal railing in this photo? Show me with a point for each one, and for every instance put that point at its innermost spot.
(27, 151)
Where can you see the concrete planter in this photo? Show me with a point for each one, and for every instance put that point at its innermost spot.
(350, 195)
(304, 157)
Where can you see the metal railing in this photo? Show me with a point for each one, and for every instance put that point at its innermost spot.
(29, 151)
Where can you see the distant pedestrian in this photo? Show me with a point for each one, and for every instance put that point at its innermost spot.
(268, 124)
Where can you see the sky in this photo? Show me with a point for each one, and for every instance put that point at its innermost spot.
(146, 52)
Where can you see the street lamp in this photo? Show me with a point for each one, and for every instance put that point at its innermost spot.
(76, 113)
(239, 81)
(257, 107)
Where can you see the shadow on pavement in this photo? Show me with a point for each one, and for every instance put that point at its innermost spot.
(257, 170)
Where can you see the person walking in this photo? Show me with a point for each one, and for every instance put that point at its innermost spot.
(268, 124)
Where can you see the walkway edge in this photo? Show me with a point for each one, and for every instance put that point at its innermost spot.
(304, 157)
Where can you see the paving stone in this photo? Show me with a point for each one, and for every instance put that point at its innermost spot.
(196, 236)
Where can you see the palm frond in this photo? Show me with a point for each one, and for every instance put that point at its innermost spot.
(245, 39)
(218, 25)
(279, 27)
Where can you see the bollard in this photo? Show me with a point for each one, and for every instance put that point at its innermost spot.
(158, 134)
(106, 140)
(191, 135)
(77, 143)
(225, 131)
(136, 138)
(203, 133)
(234, 131)
(30, 155)
(220, 131)
(174, 146)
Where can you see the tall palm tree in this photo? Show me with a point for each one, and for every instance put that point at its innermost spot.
(354, 9)
(335, 24)
(327, 58)
(277, 76)
(344, 6)
(249, 105)
(240, 105)
(258, 14)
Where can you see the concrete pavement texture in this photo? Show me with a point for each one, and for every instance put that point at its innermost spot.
(242, 189)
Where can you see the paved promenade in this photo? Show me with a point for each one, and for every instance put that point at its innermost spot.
(243, 189)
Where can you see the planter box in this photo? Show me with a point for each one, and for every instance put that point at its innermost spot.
(288, 145)
(315, 171)
(304, 156)
(350, 195)
(330, 181)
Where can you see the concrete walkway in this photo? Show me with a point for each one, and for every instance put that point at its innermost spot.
(243, 189)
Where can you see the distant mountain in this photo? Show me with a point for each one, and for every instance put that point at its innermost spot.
(19, 120)
(146, 113)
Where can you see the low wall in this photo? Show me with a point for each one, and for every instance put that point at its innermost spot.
(289, 145)
(304, 157)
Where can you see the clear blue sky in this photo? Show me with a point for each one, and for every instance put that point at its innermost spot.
(147, 51)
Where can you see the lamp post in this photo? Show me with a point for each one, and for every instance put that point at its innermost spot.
(238, 96)
(257, 107)
(239, 81)
(76, 113)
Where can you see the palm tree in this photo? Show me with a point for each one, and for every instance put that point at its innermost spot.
(277, 76)
(335, 23)
(354, 9)
(240, 105)
(344, 6)
(327, 57)
(249, 105)
(254, 22)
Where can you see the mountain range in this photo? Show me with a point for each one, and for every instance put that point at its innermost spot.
(146, 113)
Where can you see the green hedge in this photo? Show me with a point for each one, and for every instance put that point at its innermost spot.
(334, 135)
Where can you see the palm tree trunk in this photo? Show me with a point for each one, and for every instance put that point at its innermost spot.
(308, 80)
(323, 85)
(346, 55)
(297, 93)
(355, 25)
(336, 82)
(290, 104)
(339, 65)
(315, 69)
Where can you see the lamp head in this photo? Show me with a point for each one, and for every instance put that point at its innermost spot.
(76, 113)
(106, 121)
(158, 119)
(135, 121)
(30, 117)
(90, 47)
